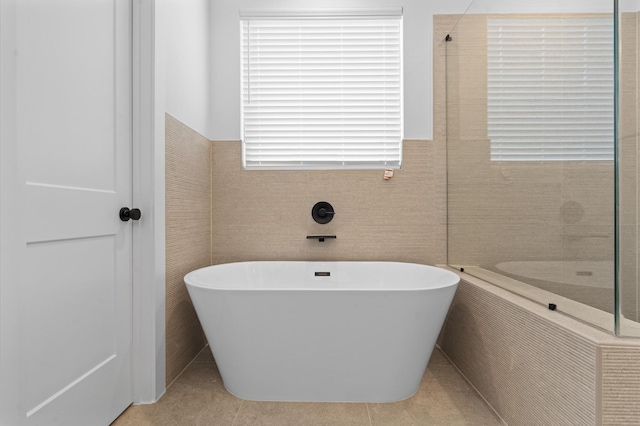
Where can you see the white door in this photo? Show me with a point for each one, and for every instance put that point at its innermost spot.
(74, 254)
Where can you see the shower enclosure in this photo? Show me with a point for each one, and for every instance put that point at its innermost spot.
(542, 153)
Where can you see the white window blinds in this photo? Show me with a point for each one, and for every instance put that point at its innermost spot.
(322, 92)
(550, 89)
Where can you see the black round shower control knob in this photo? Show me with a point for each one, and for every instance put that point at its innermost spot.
(322, 212)
(126, 213)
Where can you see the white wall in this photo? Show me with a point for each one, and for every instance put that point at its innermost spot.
(539, 6)
(418, 37)
(187, 50)
(629, 5)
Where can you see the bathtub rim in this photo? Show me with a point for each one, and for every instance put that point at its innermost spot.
(446, 279)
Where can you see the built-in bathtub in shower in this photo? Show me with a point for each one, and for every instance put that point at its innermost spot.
(588, 282)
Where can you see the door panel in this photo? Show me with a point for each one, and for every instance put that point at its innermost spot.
(74, 138)
(67, 64)
(70, 212)
(64, 344)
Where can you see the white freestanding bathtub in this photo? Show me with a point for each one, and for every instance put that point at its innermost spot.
(322, 331)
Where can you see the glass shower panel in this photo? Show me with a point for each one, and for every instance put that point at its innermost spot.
(530, 151)
(628, 188)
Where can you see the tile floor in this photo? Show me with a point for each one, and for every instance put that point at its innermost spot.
(198, 397)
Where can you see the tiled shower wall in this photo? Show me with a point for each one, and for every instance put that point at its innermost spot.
(522, 211)
(188, 238)
(266, 215)
(532, 211)
(629, 163)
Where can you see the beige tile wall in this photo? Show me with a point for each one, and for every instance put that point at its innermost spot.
(620, 385)
(266, 215)
(188, 238)
(633, 283)
(629, 160)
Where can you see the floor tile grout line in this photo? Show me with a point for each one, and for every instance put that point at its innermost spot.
(185, 369)
(369, 414)
(238, 412)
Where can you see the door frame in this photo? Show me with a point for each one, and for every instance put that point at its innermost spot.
(11, 385)
(148, 328)
(149, 354)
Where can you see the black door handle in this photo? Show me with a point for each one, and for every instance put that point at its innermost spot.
(126, 214)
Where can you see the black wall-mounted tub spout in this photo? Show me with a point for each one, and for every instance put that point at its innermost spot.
(320, 238)
(322, 212)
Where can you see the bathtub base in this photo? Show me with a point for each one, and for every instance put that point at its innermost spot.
(354, 350)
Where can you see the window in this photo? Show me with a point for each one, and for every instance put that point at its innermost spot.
(550, 89)
(322, 91)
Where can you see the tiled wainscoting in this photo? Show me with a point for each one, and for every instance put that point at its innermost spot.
(188, 237)
(266, 214)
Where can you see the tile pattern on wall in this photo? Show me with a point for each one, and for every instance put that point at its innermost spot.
(529, 370)
(266, 215)
(635, 274)
(629, 161)
(188, 238)
(620, 385)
